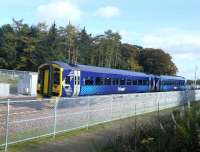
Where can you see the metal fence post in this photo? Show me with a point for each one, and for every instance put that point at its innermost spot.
(55, 116)
(135, 128)
(158, 112)
(188, 98)
(7, 125)
(88, 112)
(121, 108)
(111, 107)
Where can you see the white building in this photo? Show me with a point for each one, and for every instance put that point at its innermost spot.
(4, 89)
(27, 84)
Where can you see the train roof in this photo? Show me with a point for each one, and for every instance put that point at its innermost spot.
(112, 71)
(171, 77)
(100, 69)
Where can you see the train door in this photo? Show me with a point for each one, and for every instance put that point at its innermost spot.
(67, 84)
(152, 84)
(44, 81)
(157, 84)
(76, 82)
(56, 81)
(49, 81)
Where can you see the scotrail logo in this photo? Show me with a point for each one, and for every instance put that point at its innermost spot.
(121, 89)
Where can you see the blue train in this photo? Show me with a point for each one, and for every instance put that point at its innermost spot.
(58, 79)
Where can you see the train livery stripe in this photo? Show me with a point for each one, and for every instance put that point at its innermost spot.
(46, 79)
(61, 74)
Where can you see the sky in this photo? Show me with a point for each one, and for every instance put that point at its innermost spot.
(172, 25)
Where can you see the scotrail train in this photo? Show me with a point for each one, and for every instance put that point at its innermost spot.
(58, 79)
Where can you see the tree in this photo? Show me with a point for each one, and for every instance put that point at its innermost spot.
(25, 45)
(41, 55)
(71, 40)
(156, 61)
(130, 57)
(108, 49)
(7, 47)
(85, 47)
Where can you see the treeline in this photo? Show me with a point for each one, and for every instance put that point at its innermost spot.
(25, 47)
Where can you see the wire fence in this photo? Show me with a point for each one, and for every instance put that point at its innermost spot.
(12, 73)
(30, 119)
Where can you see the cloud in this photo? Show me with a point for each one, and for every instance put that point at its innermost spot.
(183, 46)
(180, 44)
(108, 12)
(60, 11)
(128, 36)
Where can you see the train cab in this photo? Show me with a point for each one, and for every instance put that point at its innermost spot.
(49, 80)
(57, 79)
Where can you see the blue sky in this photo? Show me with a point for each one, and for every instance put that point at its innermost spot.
(172, 25)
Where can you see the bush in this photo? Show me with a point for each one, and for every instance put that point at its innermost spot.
(177, 132)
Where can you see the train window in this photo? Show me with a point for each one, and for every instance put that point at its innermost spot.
(107, 81)
(122, 81)
(134, 82)
(99, 81)
(89, 81)
(145, 82)
(115, 81)
(56, 77)
(139, 82)
(128, 82)
(78, 80)
(75, 81)
(67, 80)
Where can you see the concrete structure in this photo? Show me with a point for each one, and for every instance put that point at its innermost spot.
(26, 81)
(4, 89)
(27, 84)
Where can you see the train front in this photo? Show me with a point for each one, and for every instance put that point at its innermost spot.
(49, 81)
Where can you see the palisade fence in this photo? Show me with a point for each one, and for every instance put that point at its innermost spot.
(30, 119)
(12, 77)
(21, 82)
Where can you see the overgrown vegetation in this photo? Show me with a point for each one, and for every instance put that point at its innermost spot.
(25, 47)
(178, 132)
